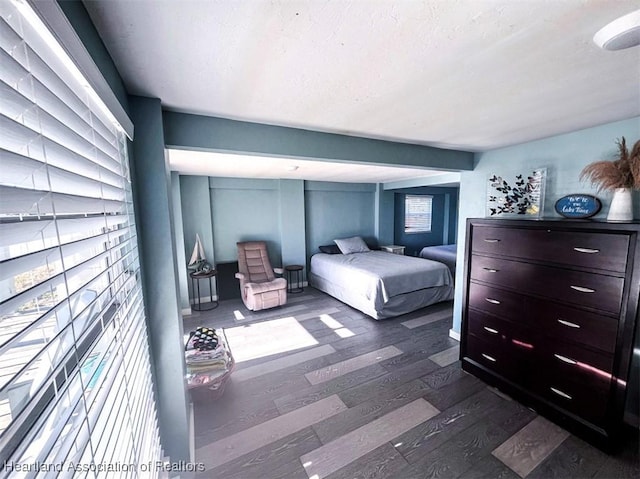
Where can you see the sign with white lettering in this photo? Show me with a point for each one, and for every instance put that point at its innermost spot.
(578, 206)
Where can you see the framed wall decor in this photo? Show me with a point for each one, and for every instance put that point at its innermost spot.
(516, 194)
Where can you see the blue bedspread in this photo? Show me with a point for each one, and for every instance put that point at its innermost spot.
(446, 254)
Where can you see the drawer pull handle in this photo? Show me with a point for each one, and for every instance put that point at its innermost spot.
(561, 394)
(565, 359)
(582, 289)
(587, 250)
(568, 323)
(491, 270)
(491, 330)
(491, 240)
(486, 356)
(492, 301)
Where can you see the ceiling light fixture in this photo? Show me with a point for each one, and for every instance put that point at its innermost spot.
(622, 33)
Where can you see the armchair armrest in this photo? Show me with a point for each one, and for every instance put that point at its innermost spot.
(278, 270)
(239, 276)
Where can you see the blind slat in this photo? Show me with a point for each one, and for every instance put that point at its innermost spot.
(71, 301)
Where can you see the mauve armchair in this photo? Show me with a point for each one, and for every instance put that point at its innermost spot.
(259, 286)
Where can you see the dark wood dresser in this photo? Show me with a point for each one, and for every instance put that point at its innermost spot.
(549, 313)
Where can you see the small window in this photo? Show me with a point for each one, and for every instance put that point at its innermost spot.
(417, 214)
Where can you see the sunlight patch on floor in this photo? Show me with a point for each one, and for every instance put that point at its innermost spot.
(266, 338)
(344, 332)
(238, 315)
(337, 326)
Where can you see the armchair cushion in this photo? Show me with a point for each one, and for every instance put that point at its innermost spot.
(257, 288)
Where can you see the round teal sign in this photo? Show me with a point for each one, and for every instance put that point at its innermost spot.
(578, 206)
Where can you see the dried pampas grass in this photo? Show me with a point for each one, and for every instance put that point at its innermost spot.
(621, 173)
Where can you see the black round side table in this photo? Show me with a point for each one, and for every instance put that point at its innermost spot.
(294, 269)
(195, 286)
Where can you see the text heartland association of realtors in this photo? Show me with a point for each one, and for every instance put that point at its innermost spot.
(161, 466)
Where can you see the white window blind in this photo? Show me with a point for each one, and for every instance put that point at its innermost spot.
(417, 213)
(75, 375)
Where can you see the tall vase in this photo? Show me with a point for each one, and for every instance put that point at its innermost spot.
(621, 208)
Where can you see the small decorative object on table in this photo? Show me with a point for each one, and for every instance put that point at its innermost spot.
(621, 176)
(578, 206)
(209, 361)
(393, 248)
(523, 196)
(198, 262)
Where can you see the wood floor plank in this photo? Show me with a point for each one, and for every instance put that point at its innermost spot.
(428, 319)
(282, 363)
(489, 468)
(446, 357)
(310, 394)
(444, 376)
(526, 449)
(236, 445)
(349, 365)
(454, 392)
(277, 460)
(381, 463)
(348, 448)
(419, 441)
(573, 458)
(367, 411)
(461, 452)
(387, 382)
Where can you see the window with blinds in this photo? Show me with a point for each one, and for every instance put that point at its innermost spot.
(75, 376)
(417, 213)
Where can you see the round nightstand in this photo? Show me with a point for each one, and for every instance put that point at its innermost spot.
(291, 271)
(195, 286)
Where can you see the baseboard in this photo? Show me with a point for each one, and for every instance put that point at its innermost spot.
(454, 334)
(186, 311)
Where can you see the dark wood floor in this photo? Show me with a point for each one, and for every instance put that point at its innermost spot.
(371, 399)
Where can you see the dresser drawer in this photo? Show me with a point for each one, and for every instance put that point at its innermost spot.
(583, 399)
(597, 291)
(496, 301)
(574, 325)
(513, 355)
(493, 356)
(602, 251)
(519, 342)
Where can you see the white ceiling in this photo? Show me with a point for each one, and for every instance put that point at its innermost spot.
(242, 166)
(466, 74)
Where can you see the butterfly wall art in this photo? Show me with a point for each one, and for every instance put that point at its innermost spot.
(517, 194)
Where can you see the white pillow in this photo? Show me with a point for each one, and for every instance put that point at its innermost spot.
(352, 245)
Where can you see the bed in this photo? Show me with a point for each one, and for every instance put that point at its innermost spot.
(381, 284)
(446, 254)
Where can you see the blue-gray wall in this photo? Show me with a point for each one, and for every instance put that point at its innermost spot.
(444, 218)
(155, 224)
(294, 217)
(197, 132)
(338, 210)
(196, 217)
(178, 233)
(245, 210)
